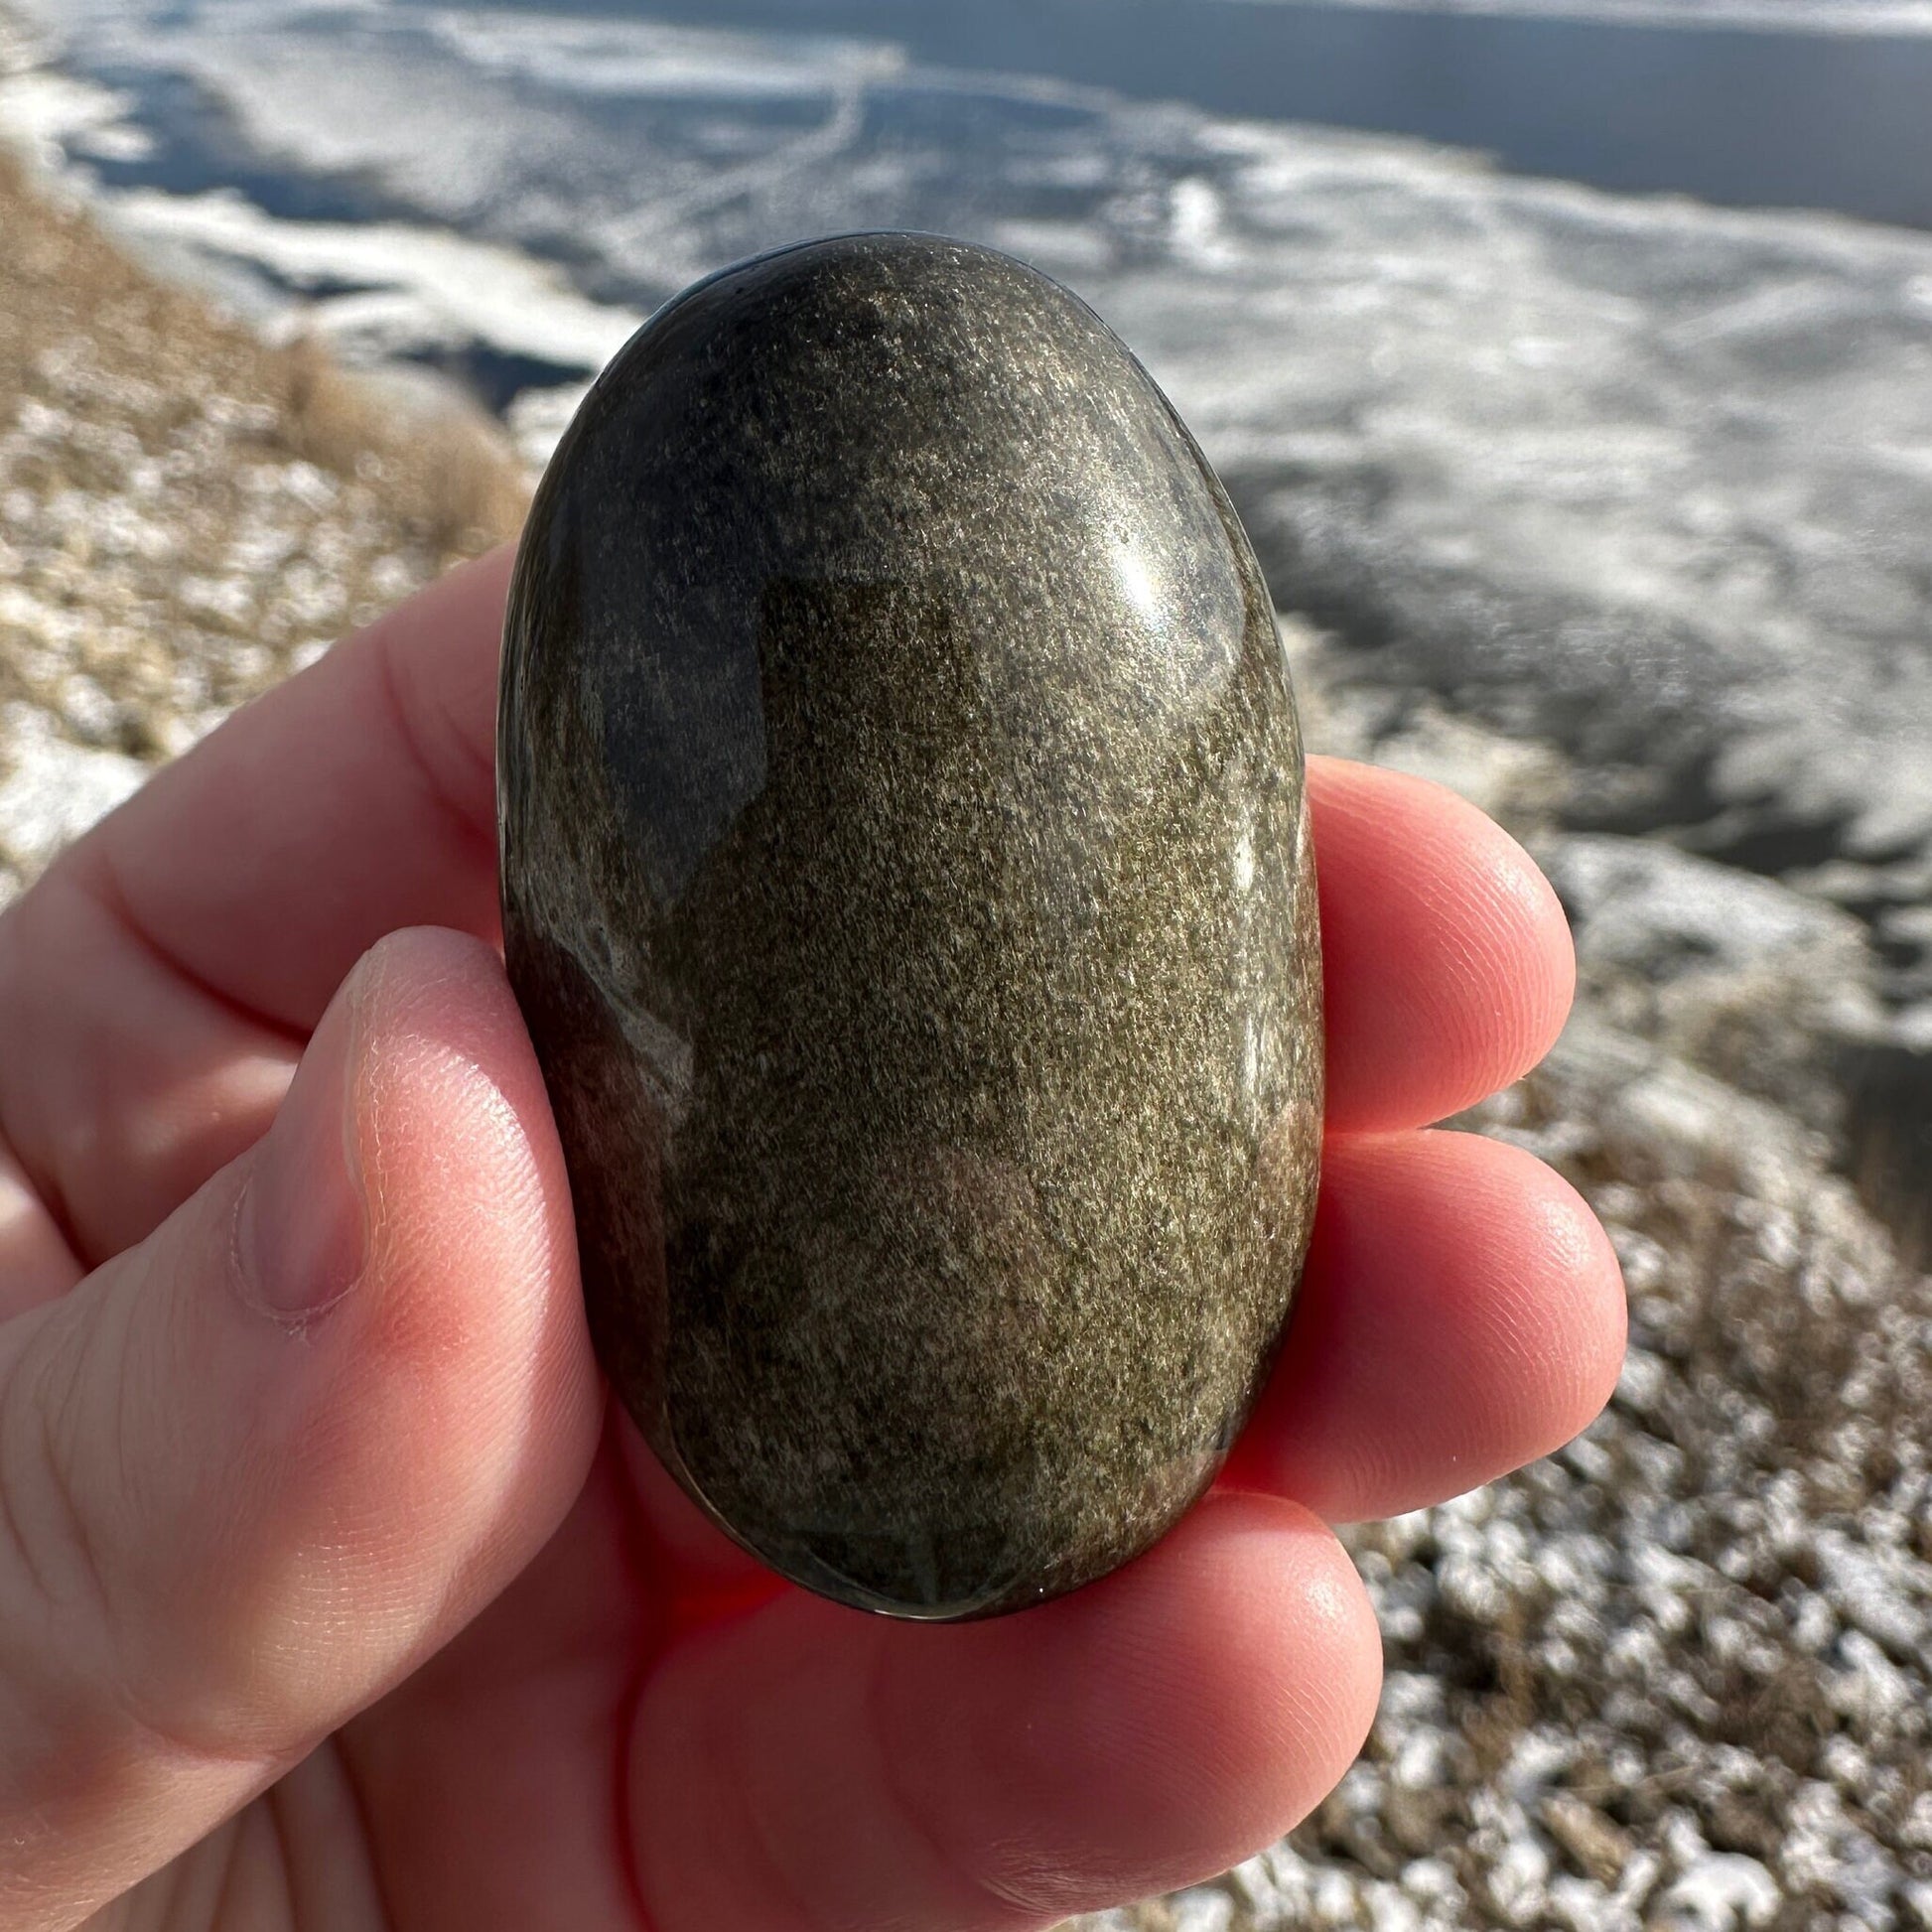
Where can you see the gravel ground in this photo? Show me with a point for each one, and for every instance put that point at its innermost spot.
(1672, 1678)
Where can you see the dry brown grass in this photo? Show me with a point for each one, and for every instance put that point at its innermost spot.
(444, 474)
(455, 470)
(187, 513)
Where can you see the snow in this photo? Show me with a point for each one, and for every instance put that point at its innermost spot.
(51, 790)
(1723, 1891)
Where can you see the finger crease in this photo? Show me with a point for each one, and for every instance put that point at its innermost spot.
(103, 885)
(44, 1182)
(365, 1824)
(231, 1835)
(402, 717)
(73, 1517)
(980, 1889)
(10, 1523)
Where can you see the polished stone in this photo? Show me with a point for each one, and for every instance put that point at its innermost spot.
(908, 884)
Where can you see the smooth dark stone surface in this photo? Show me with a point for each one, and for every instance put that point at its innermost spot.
(906, 881)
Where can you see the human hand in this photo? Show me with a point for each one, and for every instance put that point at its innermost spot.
(335, 1594)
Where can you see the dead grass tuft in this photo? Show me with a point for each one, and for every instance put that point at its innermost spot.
(187, 513)
(455, 470)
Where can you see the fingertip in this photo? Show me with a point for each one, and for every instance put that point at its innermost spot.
(1581, 1254)
(1448, 963)
(1191, 1708)
(1461, 1314)
(469, 1198)
(1545, 1316)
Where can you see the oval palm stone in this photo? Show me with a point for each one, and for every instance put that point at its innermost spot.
(908, 885)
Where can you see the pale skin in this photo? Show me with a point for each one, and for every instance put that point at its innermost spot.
(380, 1614)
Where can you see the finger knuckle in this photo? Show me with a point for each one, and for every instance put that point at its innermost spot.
(54, 1572)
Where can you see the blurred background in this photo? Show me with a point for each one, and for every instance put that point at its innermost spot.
(1571, 364)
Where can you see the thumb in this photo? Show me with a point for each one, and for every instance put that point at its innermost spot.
(255, 1470)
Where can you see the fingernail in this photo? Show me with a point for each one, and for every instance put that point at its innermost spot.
(302, 1223)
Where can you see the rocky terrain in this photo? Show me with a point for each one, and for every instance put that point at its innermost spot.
(1674, 1678)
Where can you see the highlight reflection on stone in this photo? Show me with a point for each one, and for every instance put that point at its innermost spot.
(906, 882)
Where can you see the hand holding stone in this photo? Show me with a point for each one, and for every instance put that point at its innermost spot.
(332, 1591)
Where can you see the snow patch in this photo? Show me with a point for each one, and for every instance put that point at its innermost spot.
(53, 789)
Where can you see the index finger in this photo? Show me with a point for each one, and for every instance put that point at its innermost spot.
(354, 800)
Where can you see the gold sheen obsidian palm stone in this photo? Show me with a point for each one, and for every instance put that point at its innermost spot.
(908, 884)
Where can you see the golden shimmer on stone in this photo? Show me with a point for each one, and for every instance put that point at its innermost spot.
(906, 881)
